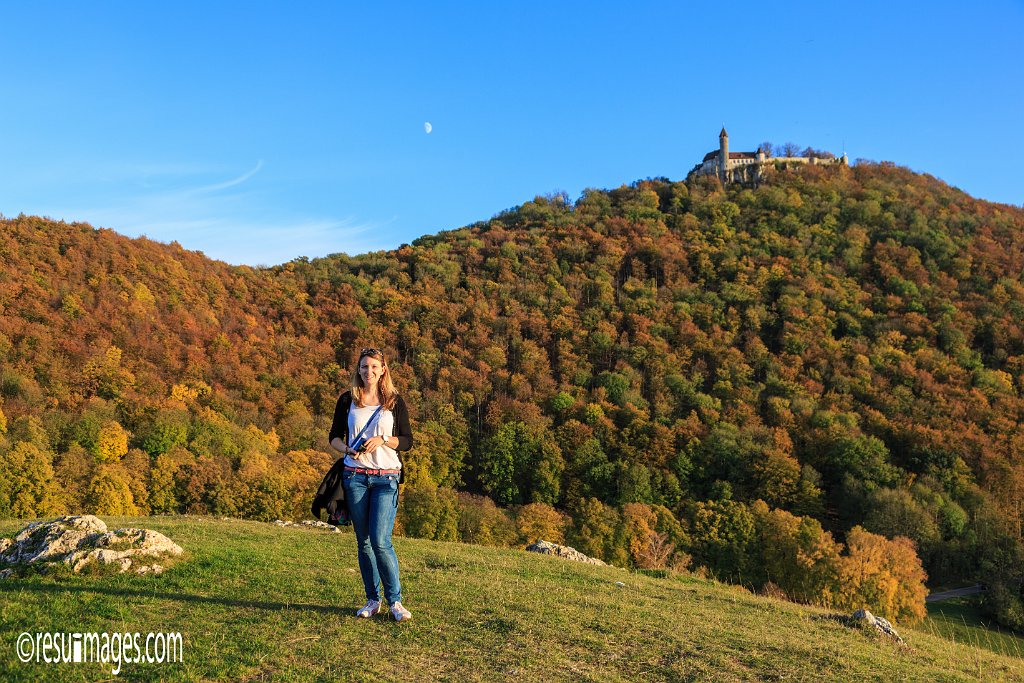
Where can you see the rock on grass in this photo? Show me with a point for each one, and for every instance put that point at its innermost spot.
(80, 541)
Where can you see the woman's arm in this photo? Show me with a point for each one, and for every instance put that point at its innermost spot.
(338, 436)
(404, 429)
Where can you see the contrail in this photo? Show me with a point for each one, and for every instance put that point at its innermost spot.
(231, 183)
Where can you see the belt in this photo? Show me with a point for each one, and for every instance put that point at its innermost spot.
(365, 470)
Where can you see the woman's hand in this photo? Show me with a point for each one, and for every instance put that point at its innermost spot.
(375, 442)
(339, 445)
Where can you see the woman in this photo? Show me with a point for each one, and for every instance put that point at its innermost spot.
(373, 418)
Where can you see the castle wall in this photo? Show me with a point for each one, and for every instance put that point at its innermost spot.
(753, 166)
(753, 170)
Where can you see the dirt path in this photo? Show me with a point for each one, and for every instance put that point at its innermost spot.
(955, 593)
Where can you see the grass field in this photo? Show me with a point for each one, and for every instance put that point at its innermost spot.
(961, 621)
(259, 602)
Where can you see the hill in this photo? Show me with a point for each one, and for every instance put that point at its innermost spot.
(665, 373)
(258, 602)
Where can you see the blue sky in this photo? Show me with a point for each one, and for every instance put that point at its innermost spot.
(258, 132)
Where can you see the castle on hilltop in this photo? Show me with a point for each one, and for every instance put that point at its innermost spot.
(751, 167)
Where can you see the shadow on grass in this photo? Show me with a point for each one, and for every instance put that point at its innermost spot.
(179, 597)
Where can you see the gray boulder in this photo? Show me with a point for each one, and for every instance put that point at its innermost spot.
(126, 548)
(50, 541)
(866, 619)
(81, 540)
(564, 551)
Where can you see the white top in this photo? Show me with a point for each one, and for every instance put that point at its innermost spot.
(382, 458)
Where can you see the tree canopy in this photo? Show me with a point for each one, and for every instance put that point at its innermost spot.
(843, 344)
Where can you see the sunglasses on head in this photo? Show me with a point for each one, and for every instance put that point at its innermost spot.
(370, 352)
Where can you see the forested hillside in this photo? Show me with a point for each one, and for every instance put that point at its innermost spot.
(813, 387)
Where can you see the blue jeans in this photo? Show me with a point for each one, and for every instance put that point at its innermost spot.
(372, 503)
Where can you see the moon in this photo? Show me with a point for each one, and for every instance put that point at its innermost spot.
(427, 127)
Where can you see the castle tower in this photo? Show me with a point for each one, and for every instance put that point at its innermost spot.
(723, 154)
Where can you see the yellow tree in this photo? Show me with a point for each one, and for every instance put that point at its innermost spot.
(111, 442)
(881, 575)
(540, 522)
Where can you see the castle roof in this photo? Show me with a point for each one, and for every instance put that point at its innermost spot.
(723, 134)
(732, 155)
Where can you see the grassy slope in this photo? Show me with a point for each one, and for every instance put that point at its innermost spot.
(259, 602)
(961, 620)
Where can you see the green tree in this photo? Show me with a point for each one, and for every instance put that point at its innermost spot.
(723, 538)
(635, 485)
(796, 555)
(483, 522)
(517, 466)
(597, 531)
(163, 483)
(590, 473)
(166, 429)
(430, 512)
(109, 492)
(895, 512)
(441, 450)
(27, 487)
(29, 429)
(73, 471)
(296, 427)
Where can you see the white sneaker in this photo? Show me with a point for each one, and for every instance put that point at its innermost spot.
(369, 609)
(400, 613)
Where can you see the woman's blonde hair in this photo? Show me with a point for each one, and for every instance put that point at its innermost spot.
(385, 387)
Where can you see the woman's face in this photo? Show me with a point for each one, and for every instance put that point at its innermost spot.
(371, 370)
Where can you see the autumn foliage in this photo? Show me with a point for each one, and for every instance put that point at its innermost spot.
(815, 384)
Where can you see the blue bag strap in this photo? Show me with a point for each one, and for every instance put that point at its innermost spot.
(368, 423)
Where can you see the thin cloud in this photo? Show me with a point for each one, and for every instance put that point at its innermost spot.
(232, 183)
(227, 222)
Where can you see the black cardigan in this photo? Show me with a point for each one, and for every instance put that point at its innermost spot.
(402, 429)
